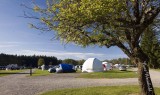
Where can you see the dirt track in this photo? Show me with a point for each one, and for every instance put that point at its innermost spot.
(19, 84)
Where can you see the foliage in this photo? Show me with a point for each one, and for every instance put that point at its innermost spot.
(106, 90)
(41, 62)
(151, 47)
(59, 61)
(74, 62)
(26, 61)
(70, 61)
(80, 62)
(100, 22)
(125, 61)
(76, 20)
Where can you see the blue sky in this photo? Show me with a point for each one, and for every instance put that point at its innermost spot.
(16, 37)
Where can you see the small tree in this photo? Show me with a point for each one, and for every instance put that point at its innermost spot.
(41, 62)
(80, 62)
(106, 23)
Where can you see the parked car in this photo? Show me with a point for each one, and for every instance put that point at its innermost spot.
(122, 68)
(2, 67)
(52, 70)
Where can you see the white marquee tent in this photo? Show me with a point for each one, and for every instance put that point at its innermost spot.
(92, 65)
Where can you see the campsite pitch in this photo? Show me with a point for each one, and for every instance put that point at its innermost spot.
(106, 74)
(39, 72)
(110, 74)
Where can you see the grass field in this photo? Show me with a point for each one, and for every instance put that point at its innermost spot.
(107, 74)
(109, 90)
(39, 72)
(5, 72)
(110, 74)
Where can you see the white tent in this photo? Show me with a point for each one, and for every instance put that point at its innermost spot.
(107, 66)
(92, 65)
(43, 67)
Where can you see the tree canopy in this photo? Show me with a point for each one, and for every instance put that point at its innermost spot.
(102, 22)
(70, 61)
(41, 62)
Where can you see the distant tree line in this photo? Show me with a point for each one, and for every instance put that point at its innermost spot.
(27, 61)
(125, 61)
(74, 62)
(35, 61)
(154, 60)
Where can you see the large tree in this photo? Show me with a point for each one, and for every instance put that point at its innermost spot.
(106, 23)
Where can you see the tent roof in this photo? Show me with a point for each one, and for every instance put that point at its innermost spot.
(66, 67)
(92, 65)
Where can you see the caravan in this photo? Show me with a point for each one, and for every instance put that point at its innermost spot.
(107, 66)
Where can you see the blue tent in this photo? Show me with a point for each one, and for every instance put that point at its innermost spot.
(67, 68)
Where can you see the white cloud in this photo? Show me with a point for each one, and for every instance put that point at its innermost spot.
(61, 54)
(8, 44)
(15, 48)
(72, 55)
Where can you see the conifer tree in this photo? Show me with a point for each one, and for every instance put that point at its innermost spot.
(151, 47)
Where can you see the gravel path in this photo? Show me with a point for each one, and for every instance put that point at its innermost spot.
(19, 84)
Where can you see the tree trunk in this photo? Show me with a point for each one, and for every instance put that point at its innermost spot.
(144, 79)
(139, 57)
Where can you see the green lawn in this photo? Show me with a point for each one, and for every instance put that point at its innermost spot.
(110, 74)
(39, 72)
(109, 90)
(4, 72)
(107, 74)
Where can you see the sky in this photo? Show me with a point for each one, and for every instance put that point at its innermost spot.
(16, 37)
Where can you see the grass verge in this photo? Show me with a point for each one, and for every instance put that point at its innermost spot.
(110, 74)
(9, 72)
(39, 72)
(109, 90)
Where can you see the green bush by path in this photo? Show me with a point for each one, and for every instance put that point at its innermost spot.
(109, 90)
(110, 74)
